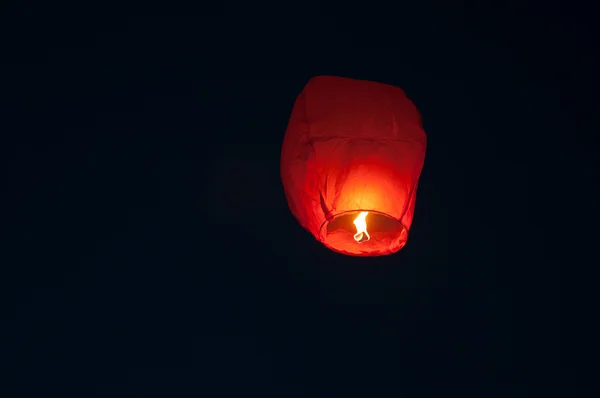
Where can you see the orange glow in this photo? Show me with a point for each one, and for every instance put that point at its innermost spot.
(360, 221)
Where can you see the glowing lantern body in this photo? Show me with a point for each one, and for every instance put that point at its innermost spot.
(350, 164)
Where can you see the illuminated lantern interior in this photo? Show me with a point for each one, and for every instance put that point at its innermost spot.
(350, 164)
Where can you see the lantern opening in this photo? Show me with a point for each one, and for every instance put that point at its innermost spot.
(360, 232)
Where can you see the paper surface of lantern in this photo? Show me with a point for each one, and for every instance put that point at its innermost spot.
(350, 164)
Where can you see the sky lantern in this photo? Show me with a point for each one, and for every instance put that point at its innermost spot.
(350, 164)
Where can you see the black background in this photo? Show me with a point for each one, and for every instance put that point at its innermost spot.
(150, 252)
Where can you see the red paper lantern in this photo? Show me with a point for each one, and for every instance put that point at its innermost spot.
(350, 164)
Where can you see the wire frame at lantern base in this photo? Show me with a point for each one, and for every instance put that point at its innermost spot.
(387, 234)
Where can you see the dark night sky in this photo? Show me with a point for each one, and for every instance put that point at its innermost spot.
(150, 251)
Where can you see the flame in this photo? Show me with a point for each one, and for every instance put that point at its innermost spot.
(360, 221)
